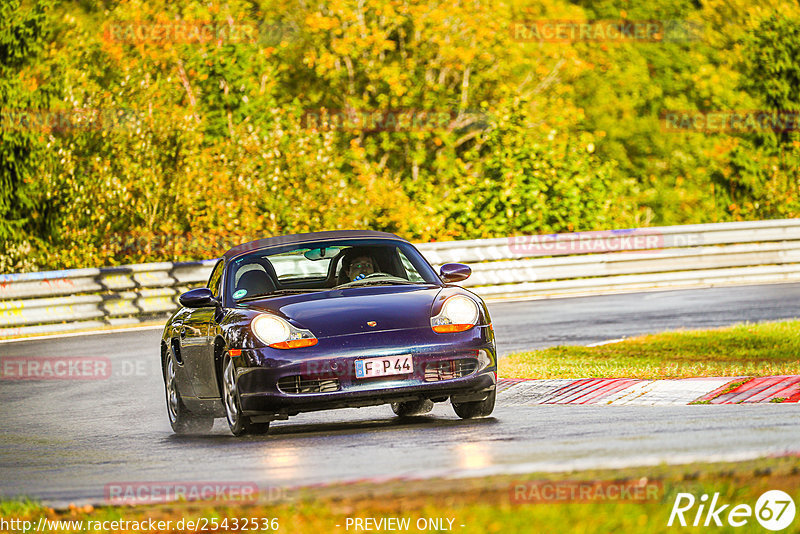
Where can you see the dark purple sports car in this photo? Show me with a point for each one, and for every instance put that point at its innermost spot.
(326, 320)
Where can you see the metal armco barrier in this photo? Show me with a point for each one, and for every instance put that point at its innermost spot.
(543, 266)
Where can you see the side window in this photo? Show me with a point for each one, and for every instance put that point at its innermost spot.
(411, 273)
(215, 282)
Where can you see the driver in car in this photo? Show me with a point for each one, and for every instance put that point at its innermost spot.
(360, 267)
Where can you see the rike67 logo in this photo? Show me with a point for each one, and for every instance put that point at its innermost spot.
(774, 510)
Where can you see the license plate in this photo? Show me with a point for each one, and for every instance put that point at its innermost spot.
(384, 366)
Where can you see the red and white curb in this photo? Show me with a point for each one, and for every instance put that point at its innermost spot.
(630, 391)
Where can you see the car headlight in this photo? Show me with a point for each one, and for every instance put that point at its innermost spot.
(279, 334)
(459, 313)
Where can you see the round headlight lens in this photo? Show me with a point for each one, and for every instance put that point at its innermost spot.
(460, 310)
(270, 329)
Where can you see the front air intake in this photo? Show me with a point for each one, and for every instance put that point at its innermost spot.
(449, 369)
(297, 385)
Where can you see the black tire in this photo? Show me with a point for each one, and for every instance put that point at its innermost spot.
(411, 408)
(182, 420)
(239, 424)
(471, 410)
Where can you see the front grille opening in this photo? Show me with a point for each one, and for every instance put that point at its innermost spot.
(449, 369)
(297, 385)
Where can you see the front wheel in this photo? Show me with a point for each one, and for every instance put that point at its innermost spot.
(470, 410)
(411, 408)
(181, 419)
(239, 424)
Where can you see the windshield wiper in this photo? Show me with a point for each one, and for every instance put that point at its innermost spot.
(276, 293)
(391, 282)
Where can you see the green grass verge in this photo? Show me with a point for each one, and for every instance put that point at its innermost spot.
(480, 504)
(761, 349)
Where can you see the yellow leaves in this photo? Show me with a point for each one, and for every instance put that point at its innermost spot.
(327, 61)
(358, 152)
(319, 22)
(310, 58)
(30, 83)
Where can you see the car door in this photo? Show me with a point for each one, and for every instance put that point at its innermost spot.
(197, 345)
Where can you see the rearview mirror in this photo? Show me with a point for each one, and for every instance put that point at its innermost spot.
(321, 253)
(454, 272)
(198, 298)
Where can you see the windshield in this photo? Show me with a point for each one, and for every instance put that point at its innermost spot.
(323, 266)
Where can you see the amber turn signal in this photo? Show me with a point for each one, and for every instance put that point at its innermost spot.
(449, 328)
(295, 343)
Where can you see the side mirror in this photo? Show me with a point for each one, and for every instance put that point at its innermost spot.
(198, 298)
(454, 272)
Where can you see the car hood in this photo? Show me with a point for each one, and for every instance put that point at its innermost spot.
(350, 310)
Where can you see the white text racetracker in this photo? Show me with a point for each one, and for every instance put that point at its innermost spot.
(384, 366)
(388, 524)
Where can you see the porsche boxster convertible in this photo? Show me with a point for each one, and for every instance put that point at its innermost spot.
(321, 321)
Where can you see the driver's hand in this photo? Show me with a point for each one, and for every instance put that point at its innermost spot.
(359, 277)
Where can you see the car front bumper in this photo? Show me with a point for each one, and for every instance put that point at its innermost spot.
(262, 374)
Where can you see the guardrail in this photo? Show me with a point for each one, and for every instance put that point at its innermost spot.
(518, 267)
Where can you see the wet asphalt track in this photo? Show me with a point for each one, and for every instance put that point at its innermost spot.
(65, 441)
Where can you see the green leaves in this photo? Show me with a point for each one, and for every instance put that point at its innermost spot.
(760, 175)
(24, 93)
(770, 62)
(523, 180)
